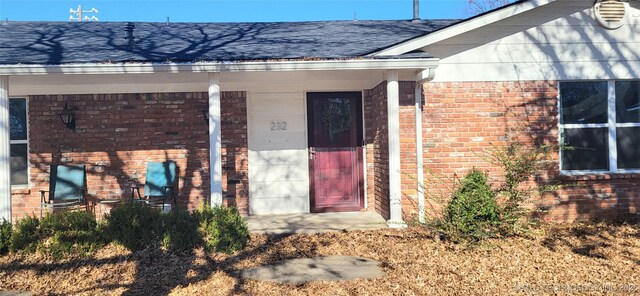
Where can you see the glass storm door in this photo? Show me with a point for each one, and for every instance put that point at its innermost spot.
(335, 151)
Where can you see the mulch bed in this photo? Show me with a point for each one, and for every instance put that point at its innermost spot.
(555, 259)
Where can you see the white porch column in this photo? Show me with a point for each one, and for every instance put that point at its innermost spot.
(393, 114)
(5, 154)
(215, 140)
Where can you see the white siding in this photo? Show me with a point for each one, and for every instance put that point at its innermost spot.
(278, 163)
(558, 41)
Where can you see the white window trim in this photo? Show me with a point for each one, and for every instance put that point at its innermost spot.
(28, 185)
(611, 125)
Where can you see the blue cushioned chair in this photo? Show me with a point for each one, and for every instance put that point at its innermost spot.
(66, 187)
(160, 183)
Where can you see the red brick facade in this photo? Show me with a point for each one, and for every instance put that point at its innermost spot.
(117, 134)
(376, 136)
(235, 150)
(376, 139)
(462, 120)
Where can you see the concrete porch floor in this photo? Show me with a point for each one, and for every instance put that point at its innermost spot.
(314, 223)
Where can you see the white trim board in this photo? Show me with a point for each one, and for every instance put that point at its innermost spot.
(462, 27)
(269, 66)
(24, 85)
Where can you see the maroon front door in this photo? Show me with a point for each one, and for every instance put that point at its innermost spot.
(335, 151)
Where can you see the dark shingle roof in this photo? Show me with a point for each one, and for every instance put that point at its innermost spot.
(89, 42)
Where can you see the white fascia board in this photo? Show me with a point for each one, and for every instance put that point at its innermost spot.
(320, 65)
(462, 27)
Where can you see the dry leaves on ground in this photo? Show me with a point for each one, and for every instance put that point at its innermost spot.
(564, 259)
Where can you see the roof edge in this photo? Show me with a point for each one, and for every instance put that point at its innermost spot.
(266, 66)
(461, 27)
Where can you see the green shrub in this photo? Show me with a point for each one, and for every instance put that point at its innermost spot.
(66, 221)
(520, 162)
(179, 231)
(473, 212)
(5, 235)
(68, 233)
(57, 235)
(25, 235)
(137, 227)
(132, 225)
(222, 228)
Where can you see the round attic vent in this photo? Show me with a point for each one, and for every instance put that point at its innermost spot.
(611, 14)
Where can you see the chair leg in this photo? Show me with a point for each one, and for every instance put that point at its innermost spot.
(173, 198)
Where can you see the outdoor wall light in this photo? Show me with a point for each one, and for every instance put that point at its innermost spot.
(205, 113)
(68, 117)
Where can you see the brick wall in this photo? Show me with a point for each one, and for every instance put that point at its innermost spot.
(235, 150)
(117, 134)
(462, 120)
(377, 146)
(408, 158)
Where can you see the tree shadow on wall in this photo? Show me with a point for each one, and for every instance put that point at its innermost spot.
(117, 161)
(609, 195)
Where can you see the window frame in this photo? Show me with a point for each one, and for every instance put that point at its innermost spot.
(611, 126)
(26, 141)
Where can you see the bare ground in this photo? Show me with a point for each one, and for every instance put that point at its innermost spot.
(555, 259)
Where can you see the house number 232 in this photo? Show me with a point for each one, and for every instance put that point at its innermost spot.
(278, 125)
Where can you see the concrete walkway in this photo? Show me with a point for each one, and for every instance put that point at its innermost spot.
(315, 223)
(302, 270)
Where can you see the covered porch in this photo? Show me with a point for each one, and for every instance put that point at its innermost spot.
(214, 171)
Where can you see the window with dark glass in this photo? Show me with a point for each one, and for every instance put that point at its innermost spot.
(600, 126)
(18, 140)
(628, 124)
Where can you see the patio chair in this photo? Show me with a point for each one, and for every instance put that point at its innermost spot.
(66, 187)
(160, 183)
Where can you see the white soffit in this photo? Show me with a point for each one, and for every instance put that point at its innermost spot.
(462, 27)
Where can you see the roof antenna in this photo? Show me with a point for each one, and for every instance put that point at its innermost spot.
(167, 21)
(6, 20)
(355, 17)
(416, 11)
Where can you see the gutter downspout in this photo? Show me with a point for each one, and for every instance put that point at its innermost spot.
(422, 77)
